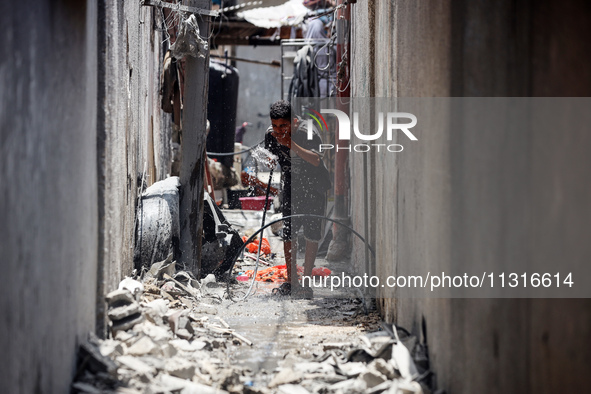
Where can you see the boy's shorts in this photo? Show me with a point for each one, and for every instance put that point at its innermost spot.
(301, 201)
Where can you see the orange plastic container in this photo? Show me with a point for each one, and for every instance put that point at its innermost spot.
(255, 203)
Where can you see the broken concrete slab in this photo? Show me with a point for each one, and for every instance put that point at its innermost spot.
(168, 350)
(229, 379)
(312, 367)
(292, 389)
(186, 288)
(405, 388)
(352, 369)
(180, 324)
(179, 367)
(155, 332)
(187, 387)
(156, 310)
(123, 311)
(127, 323)
(285, 376)
(92, 358)
(184, 334)
(205, 309)
(136, 365)
(142, 347)
(383, 367)
(349, 386)
(372, 378)
(124, 337)
(402, 362)
(166, 266)
(155, 361)
(123, 295)
(183, 345)
(382, 387)
(111, 348)
(320, 377)
(335, 346)
(186, 302)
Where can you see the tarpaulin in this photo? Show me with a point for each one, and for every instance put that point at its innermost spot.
(278, 273)
(290, 13)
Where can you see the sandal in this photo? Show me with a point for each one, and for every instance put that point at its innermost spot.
(284, 289)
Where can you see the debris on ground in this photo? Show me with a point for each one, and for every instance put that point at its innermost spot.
(168, 339)
(253, 246)
(170, 332)
(278, 273)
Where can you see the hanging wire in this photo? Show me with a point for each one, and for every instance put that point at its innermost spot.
(170, 22)
(175, 18)
(210, 32)
(344, 61)
(222, 17)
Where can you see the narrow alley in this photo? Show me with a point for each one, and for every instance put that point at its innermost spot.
(295, 196)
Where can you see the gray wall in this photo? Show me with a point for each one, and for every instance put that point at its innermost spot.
(133, 133)
(48, 190)
(80, 121)
(459, 198)
(258, 88)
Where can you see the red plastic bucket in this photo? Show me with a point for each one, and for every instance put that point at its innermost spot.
(254, 203)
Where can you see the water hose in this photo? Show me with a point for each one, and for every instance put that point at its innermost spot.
(234, 153)
(256, 265)
(263, 227)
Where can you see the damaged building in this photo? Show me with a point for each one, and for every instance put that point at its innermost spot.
(87, 129)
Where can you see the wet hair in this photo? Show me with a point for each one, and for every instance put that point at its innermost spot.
(280, 110)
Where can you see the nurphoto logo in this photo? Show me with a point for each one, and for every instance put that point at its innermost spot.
(344, 130)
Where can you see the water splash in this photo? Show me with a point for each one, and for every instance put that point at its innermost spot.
(264, 157)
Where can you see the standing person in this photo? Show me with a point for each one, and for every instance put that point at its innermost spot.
(324, 55)
(240, 131)
(304, 189)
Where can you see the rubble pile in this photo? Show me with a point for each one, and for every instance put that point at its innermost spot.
(167, 340)
(166, 336)
(374, 363)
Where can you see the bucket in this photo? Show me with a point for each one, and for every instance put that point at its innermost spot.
(255, 203)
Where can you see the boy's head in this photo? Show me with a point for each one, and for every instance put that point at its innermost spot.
(281, 110)
(281, 118)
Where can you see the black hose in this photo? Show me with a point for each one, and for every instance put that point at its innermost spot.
(253, 236)
(256, 265)
(234, 153)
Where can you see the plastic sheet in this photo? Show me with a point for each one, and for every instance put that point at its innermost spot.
(189, 41)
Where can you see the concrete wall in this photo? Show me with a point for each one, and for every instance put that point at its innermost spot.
(48, 190)
(259, 87)
(460, 197)
(133, 133)
(80, 121)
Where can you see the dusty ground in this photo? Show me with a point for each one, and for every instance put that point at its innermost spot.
(281, 326)
(186, 336)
